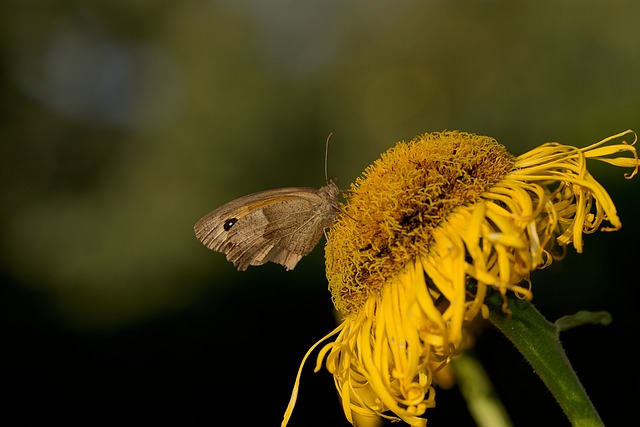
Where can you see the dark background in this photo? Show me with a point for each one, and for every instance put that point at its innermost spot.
(122, 123)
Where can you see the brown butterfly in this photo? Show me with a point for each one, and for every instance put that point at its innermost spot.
(280, 226)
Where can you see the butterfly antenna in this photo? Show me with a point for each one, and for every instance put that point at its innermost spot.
(326, 157)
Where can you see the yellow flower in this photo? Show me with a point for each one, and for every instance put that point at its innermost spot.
(428, 230)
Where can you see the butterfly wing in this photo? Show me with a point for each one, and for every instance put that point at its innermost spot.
(294, 227)
(280, 225)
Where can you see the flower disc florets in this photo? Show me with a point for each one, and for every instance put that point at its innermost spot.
(401, 198)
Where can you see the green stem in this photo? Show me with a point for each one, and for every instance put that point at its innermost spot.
(538, 341)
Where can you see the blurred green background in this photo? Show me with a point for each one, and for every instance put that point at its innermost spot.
(122, 123)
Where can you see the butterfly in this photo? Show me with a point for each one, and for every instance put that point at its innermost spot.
(279, 226)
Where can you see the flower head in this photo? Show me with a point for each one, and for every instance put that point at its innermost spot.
(428, 230)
